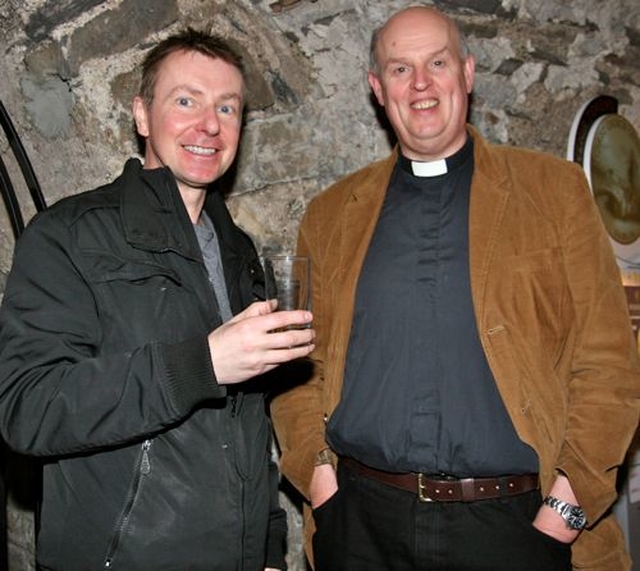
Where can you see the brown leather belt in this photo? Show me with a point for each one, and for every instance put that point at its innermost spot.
(429, 489)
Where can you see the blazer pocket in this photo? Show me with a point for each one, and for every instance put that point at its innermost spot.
(540, 297)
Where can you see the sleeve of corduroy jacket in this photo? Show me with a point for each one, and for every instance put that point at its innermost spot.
(553, 319)
(604, 390)
(298, 413)
(337, 225)
(60, 393)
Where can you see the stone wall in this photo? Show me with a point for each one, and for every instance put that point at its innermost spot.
(69, 70)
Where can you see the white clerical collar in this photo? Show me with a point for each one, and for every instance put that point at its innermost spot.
(429, 169)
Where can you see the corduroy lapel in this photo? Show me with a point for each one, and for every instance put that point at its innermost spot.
(489, 199)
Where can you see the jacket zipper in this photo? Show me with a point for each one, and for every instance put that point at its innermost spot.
(144, 467)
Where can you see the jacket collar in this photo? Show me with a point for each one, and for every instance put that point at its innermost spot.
(153, 214)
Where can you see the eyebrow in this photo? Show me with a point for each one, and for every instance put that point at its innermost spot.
(401, 59)
(196, 91)
(231, 95)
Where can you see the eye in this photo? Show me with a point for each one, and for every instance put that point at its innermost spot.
(400, 69)
(227, 109)
(440, 63)
(184, 101)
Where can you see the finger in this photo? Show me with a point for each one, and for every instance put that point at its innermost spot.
(289, 338)
(256, 309)
(279, 356)
(298, 317)
(268, 306)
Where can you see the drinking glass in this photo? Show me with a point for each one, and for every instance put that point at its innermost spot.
(288, 279)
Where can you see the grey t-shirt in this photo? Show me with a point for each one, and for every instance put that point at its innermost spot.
(208, 241)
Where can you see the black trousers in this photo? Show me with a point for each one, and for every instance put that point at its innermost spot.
(370, 526)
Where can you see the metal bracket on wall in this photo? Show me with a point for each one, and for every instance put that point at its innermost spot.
(6, 186)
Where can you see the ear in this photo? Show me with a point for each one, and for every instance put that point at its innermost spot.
(141, 116)
(469, 72)
(376, 86)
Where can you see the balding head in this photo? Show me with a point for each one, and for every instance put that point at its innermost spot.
(398, 21)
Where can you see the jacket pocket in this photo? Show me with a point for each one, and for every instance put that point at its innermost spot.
(143, 468)
(540, 299)
(103, 268)
(146, 299)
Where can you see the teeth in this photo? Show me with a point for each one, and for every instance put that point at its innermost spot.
(200, 150)
(424, 105)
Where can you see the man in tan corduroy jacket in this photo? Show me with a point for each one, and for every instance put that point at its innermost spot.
(551, 393)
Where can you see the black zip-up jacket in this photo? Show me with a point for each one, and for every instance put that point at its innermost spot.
(105, 373)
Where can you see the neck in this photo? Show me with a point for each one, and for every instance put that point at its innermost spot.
(194, 202)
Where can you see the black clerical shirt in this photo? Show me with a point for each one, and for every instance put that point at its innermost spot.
(418, 394)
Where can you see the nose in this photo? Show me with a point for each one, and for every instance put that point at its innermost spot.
(421, 80)
(210, 122)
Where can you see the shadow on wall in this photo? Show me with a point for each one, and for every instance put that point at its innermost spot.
(20, 477)
(20, 482)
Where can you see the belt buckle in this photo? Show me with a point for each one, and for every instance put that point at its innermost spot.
(422, 488)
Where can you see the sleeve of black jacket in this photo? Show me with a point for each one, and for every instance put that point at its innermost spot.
(53, 367)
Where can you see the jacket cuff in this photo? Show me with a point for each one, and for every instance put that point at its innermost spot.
(189, 377)
(275, 550)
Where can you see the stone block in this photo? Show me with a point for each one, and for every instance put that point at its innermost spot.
(119, 29)
(53, 13)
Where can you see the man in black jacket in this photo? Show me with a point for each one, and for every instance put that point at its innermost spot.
(131, 345)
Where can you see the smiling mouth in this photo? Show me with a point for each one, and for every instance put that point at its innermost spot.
(203, 151)
(422, 105)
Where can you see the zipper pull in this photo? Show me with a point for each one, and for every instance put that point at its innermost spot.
(145, 464)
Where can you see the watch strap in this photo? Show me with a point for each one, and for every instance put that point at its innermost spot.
(572, 514)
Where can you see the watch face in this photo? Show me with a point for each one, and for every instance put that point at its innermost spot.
(576, 519)
(572, 515)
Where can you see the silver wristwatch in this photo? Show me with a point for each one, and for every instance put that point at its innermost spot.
(572, 515)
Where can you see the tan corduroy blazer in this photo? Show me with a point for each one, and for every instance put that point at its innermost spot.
(550, 310)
